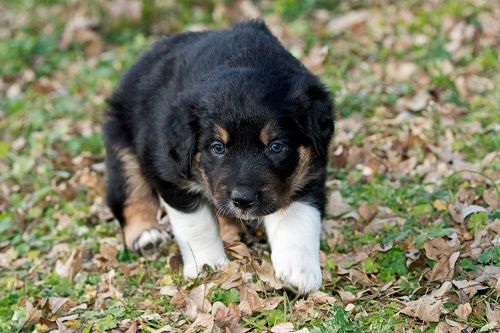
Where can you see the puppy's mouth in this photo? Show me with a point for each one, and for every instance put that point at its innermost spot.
(255, 212)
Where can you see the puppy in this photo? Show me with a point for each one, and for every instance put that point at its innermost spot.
(221, 123)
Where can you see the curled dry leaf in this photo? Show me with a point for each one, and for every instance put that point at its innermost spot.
(239, 250)
(439, 293)
(55, 303)
(493, 314)
(427, 309)
(444, 268)
(439, 247)
(347, 296)
(472, 209)
(72, 265)
(463, 311)
(492, 199)
(265, 271)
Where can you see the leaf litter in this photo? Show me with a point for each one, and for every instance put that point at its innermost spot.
(411, 231)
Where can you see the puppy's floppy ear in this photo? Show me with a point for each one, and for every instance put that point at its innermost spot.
(314, 113)
(181, 131)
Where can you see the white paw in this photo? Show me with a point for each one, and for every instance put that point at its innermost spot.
(194, 266)
(298, 271)
(150, 241)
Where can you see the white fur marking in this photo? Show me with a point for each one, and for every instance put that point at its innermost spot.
(294, 235)
(198, 238)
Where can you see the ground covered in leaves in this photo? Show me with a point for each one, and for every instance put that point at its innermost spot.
(411, 237)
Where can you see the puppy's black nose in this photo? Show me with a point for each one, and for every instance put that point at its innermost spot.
(243, 199)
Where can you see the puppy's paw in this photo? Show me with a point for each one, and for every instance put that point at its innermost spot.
(299, 272)
(192, 267)
(150, 241)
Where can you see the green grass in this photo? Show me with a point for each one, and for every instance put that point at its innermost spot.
(52, 101)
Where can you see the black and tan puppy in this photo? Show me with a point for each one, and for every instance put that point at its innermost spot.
(221, 123)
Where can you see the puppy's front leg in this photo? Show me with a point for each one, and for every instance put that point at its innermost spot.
(294, 234)
(198, 238)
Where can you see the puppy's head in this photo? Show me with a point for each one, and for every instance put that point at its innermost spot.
(259, 139)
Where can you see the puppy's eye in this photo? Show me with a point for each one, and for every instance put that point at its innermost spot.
(276, 147)
(218, 148)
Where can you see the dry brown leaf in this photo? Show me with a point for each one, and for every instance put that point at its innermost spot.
(227, 318)
(132, 328)
(128, 9)
(347, 296)
(204, 320)
(463, 311)
(239, 250)
(439, 293)
(109, 252)
(493, 314)
(265, 271)
(55, 303)
(72, 265)
(303, 308)
(269, 303)
(427, 309)
(336, 204)
(348, 21)
(444, 268)
(249, 300)
(360, 278)
(492, 199)
(400, 71)
(415, 104)
(439, 247)
(32, 315)
(367, 211)
(444, 327)
(315, 59)
(320, 298)
(282, 328)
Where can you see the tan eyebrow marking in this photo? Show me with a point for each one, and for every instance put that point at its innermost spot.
(267, 133)
(221, 134)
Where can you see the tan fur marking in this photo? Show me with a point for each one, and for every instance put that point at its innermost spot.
(267, 133)
(139, 216)
(301, 175)
(221, 134)
(141, 205)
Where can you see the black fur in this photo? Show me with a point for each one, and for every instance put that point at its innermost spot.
(167, 105)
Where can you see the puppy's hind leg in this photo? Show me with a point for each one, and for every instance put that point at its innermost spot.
(131, 199)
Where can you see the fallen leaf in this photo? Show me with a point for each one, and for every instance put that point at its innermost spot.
(427, 309)
(463, 311)
(72, 265)
(265, 271)
(367, 211)
(444, 268)
(439, 205)
(439, 248)
(55, 303)
(348, 21)
(347, 296)
(204, 320)
(336, 204)
(282, 328)
(238, 250)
